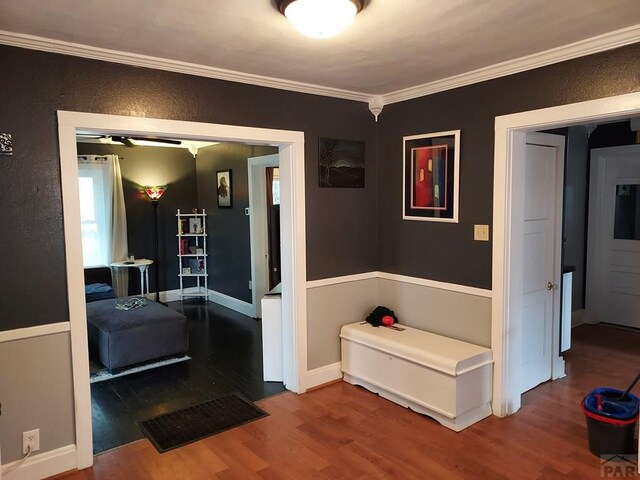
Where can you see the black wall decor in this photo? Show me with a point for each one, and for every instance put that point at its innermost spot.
(341, 163)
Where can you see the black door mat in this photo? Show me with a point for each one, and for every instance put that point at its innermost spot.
(175, 429)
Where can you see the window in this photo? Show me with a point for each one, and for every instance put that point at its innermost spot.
(95, 214)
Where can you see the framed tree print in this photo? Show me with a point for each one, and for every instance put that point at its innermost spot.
(430, 187)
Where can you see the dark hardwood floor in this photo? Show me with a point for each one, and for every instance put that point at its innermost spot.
(226, 352)
(345, 432)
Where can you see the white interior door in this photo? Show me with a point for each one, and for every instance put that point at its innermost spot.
(541, 269)
(258, 227)
(613, 267)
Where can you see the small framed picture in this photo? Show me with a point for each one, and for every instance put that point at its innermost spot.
(225, 192)
(186, 271)
(341, 163)
(6, 144)
(195, 225)
(431, 168)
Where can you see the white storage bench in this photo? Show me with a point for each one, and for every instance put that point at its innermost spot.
(443, 378)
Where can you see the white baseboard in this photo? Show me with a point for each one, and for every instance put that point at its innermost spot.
(322, 375)
(215, 297)
(170, 295)
(232, 303)
(42, 465)
(167, 296)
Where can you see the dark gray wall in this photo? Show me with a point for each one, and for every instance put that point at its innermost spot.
(141, 166)
(447, 252)
(229, 245)
(341, 223)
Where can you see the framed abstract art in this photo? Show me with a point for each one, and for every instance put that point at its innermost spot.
(430, 188)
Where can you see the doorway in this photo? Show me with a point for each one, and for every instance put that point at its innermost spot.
(291, 156)
(264, 213)
(508, 214)
(613, 285)
(542, 246)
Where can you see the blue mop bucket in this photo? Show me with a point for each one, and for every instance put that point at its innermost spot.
(612, 416)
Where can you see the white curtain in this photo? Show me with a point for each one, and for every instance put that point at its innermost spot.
(103, 215)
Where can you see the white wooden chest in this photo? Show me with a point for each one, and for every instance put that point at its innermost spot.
(443, 378)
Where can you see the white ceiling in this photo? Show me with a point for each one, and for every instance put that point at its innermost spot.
(391, 45)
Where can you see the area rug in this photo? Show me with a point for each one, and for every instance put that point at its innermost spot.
(99, 373)
(191, 424)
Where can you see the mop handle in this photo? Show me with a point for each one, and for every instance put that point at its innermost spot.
(626, 392)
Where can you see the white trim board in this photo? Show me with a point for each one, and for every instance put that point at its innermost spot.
(589, 46)
(293, 221)
(232, 303)
(320, 376)
(424, 282)
(42, 465)
(323, 282)
(453, 287)
(507, 251)
(37, 331)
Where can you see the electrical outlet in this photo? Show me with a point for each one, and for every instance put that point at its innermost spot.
(250, 285)
(30, 441)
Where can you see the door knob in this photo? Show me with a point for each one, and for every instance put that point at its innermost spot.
(550, 286)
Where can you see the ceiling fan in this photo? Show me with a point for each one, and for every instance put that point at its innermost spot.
(130, 141)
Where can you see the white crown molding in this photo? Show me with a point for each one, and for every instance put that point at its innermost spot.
(78, 50)
(589, 46)
(582, 48)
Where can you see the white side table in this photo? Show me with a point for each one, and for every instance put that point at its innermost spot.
(141, 264)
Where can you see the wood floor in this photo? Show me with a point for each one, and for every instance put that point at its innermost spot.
(344, 432)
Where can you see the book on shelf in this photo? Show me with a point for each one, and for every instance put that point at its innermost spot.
(183, 226)
(184, 246)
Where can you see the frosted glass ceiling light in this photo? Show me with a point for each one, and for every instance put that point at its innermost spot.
(320, 18)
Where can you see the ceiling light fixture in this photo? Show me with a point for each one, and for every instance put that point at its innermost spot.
(320, 18)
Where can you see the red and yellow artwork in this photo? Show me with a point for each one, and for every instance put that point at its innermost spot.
(429, 174)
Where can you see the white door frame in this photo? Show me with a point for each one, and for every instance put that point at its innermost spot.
(506, 305)
(292, 183)
(258, 228)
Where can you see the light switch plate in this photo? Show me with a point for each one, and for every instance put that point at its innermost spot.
(481, 233)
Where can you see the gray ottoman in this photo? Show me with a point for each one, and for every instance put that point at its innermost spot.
(124, 337)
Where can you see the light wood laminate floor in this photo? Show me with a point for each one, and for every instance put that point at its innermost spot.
(344, 432)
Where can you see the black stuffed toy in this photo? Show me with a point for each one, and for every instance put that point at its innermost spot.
(375, 317)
